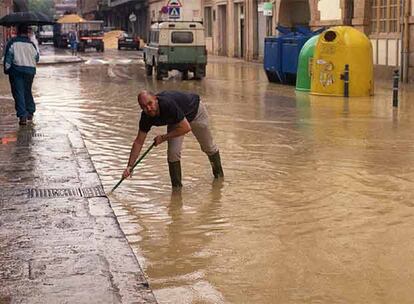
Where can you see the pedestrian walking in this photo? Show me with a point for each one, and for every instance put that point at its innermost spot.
(181, 113)
(73, 40)
(20, 59)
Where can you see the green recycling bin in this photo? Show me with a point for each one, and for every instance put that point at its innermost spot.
(303, 80)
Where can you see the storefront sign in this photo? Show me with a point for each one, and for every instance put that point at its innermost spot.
(267, 9)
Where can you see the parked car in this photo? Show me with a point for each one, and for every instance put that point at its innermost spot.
(45, 34)
(176, 46)
(128, 41)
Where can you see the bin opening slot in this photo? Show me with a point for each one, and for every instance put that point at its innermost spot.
(330, 36)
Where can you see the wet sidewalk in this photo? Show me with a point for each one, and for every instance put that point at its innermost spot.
(60, 241)
(59, 59)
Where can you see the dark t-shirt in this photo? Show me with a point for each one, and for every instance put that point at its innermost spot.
(174, 106)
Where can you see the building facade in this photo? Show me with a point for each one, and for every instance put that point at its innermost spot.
(6, 7)
(88, 9)
(237, 28)
(128, 15)
(189, 10)
(63, 7)
(119, 14)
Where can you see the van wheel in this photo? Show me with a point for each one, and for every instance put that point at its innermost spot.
(148, 69)
(184, 75)
(199, 73)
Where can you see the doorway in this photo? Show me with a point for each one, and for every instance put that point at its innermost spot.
(239, 29)
(222, 30)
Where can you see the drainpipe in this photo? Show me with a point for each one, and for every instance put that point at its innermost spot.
(402, 38)
(406, 46)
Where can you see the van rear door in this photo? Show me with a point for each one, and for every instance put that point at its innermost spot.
(182, 47)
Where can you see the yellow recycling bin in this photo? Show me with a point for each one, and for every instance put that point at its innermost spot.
(337, 47)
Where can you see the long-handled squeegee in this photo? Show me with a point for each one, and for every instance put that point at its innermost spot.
(136, 163)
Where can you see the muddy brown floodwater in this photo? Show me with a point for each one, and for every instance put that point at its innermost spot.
(317, 204)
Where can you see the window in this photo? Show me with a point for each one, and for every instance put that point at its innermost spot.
(386, 16)
(182, 37)
(154, 36)
(208, 20)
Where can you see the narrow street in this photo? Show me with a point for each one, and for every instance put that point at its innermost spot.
(317, 201)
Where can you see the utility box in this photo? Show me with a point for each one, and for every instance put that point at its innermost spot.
(337, 47)
(303, 79)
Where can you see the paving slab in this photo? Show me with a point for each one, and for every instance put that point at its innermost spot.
(60, 241)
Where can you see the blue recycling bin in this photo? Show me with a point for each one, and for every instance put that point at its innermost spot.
(281, 54)
(271, 61)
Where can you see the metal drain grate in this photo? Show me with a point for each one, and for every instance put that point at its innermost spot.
(93, 191)
(25, 138)
(80, 192)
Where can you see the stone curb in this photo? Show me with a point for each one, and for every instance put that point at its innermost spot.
(112, 238)
(59, 249)
(56, 62)
(53, 62)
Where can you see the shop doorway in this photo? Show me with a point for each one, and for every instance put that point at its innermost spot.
(239, 29)
(222, 30)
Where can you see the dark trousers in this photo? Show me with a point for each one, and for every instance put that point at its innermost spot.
(21, 87)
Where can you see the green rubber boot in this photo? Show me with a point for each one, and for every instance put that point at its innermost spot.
(215, 162)
(175, 174)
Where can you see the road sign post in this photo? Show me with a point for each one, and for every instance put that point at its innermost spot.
(132, 18)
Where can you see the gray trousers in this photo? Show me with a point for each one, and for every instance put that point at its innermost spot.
(201, 131)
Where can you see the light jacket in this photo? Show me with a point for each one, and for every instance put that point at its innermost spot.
(20, 56)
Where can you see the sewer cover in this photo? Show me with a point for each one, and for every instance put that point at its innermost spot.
(66, 192)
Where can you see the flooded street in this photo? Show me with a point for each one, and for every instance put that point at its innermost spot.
(317, 201)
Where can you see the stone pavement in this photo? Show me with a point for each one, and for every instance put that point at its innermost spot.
(60, 241)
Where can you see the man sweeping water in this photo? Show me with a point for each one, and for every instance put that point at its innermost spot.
(181, 113)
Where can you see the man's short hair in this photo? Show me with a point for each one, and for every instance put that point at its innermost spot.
(22, 29)
(144, 92)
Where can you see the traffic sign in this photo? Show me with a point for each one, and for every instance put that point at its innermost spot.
(174, 12)
(174, 3)
(132, 17)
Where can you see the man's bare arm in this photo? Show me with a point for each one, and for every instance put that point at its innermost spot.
(183, 127)
(135, 150)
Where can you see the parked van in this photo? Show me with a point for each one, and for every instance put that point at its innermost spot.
(176, 45)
